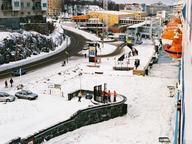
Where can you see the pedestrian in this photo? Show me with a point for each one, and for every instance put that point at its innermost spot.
(103, 96)
(115, 95)
(85, 55)
(11, 82)
(79, 96)
(6, 84)
(64, 62)
(135, 63)
(109, 95)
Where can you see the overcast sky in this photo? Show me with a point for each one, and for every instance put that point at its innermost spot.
(145, 1)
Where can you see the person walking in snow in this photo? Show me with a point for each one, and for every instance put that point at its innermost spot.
(115, 95)
(11, 82)
(79, 96)
(109, 95)
(6, 84)
(103, 96)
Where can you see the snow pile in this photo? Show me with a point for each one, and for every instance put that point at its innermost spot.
(58, 35)
(20, 45)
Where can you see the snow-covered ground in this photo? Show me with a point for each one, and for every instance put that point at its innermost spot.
(146, 51)
(103, 50)
(87, 35)
(150, 109)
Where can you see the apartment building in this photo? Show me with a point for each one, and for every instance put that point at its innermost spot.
(14, 12)
(55, 7)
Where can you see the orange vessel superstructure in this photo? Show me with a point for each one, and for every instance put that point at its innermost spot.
(172, 38)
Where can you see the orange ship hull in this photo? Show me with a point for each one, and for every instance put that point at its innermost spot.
(172, 38)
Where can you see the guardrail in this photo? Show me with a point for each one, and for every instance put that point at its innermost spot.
(81, 118)
(176, 131)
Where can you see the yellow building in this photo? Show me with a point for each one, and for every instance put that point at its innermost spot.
(113, 17)
(54, 7)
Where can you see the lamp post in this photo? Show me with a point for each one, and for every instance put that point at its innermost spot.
(80, 74)
(67, 51)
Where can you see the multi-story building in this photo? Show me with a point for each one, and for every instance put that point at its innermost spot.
(153, 8)
(14, 12)
(55, 7)
(111, 18)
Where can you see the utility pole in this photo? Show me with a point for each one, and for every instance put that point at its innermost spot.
(105, 7)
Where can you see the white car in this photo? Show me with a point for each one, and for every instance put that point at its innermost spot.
(26, 94)
(5, 97)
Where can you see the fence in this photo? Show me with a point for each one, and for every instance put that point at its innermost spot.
(176, 131)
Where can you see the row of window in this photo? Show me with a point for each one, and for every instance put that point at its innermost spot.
(28, 4)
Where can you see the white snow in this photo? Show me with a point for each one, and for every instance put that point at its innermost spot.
(87, 35)
(150, 109)
(103, 50)
(55, 36)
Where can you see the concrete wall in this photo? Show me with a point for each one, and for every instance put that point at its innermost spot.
(11, 23)
(81, 118)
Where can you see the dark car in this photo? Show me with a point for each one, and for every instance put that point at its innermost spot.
(26, 94)
(18, 72)
(5, 97)
(89, 96)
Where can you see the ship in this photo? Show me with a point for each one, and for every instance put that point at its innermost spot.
(172, 38)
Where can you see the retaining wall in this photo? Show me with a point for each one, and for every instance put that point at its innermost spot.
(81, 118)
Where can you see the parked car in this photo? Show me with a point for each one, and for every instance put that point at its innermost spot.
(18, 72)
(110, 34)
(5, 97)
(26, 94)
(89, 96)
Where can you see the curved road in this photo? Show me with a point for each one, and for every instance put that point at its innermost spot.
(77, 43)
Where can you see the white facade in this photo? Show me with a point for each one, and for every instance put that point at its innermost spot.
(187, 77)
(161, 14)
(16, 5)
(44, 5)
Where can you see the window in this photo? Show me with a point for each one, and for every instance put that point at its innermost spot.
(44, 5)
(16, 4)
(22, 5)
(28, 4)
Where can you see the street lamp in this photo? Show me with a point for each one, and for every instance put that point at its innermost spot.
(67, 51)
(80, 74)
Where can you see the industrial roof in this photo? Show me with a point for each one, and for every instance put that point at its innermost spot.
(139, 24)
(114, 12)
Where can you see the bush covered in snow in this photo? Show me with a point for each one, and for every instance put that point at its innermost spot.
(20, 45)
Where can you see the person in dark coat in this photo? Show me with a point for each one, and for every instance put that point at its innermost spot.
(79, 96)
(109, 95)
(11, 82)
(103, 96)
(6, 84)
